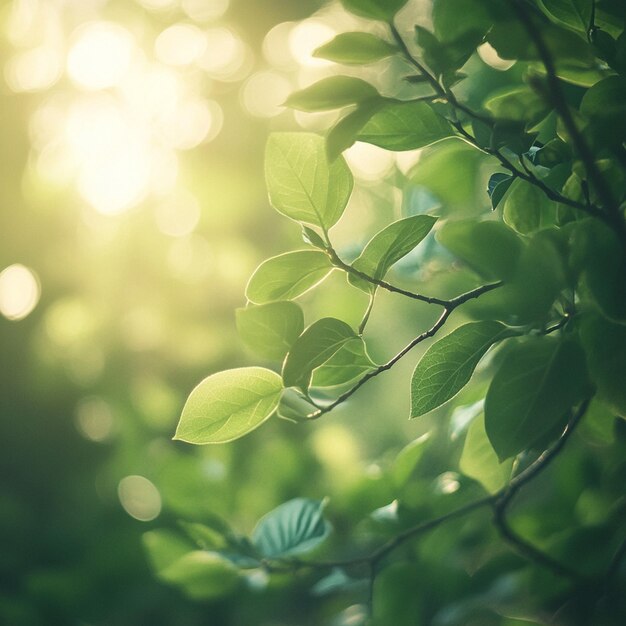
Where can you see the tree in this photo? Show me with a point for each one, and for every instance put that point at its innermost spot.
(526, 356)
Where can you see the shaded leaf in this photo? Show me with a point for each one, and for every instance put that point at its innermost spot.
(374, 9)
(295, 527)
(355, 49)
(331, 93)
(348, 364)
(538, 382)
(449, 363)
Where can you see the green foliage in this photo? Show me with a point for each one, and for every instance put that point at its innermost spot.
(522, 181)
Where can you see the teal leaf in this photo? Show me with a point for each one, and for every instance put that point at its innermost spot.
(448, 364)
(348, 364)
(479, 460)
(389, 246)
(270, 329)
(228, 405)
(374, 9)
(287, 276)
(313, 348)
(538, 382)
(355, 49)
(331, 93)
(497, 186)
(301, 182)
(404, 126)
(295, 527)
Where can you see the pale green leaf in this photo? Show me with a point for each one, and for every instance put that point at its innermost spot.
(348, 364)
(313, 348)
(301, 182)
(287, 276)
(479, 460)
(270, 329)
(331, 93)
(229, 404)
(404, 126)
(389, 246)
(449, 363)
(355, 49)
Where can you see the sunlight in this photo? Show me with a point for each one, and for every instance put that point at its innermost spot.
(139, 497)
(19, 292)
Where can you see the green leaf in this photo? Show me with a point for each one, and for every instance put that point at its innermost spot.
(348, 364)
(287, 276)
(202, 575)
(164, 547)
(301, 183)
(313, 348)
(355, 49)
(605, 347)
(374, 9)
(450, 26)
(538, 382)
(490, 248)
(497, 186)
(404, 126)
(573, 13)
(295, 527)
(270, 329)
(526, 208)
(294, 407)
(479, 460)
(331, 93)
(407, 460)
(344, 133)
(388, 247)
(228, 405)
(518, 104)
(449, 363)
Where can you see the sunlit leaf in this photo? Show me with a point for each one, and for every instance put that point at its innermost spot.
(295, 527)
(389, 246)
(348, 364)
(538, 382)
(449, 363)
(313, 348)
(330, 93)
(288, 276)
(355, 49)
(479, 460)
(229, 404)
(301, 183)
(270, 329)
(404, 126)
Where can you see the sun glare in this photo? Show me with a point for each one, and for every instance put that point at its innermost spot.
(19, 292)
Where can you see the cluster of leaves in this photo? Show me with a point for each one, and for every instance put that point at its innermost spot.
(545, 251)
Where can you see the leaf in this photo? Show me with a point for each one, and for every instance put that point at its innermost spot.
(526, 208)
(295, 527)
(407, 460)
(301, 183)
(448, 23)
(202, 575)
(388, 247)
(270, 329)
(374, 9)
(404, 126)
(311, 237)
(449, 363)
(331, 93)
(228, 405)
(479, 460)
(497, 186)
(287, 276)
(605, 347)
(538, 382)
(294, 407)
(490, 248)
(355, 49)
(349, 363)
(518, 104)
(344, 133)
(573, 13)
(164, 547)
(313, 348)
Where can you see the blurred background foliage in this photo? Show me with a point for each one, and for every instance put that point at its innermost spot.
(133, 211)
